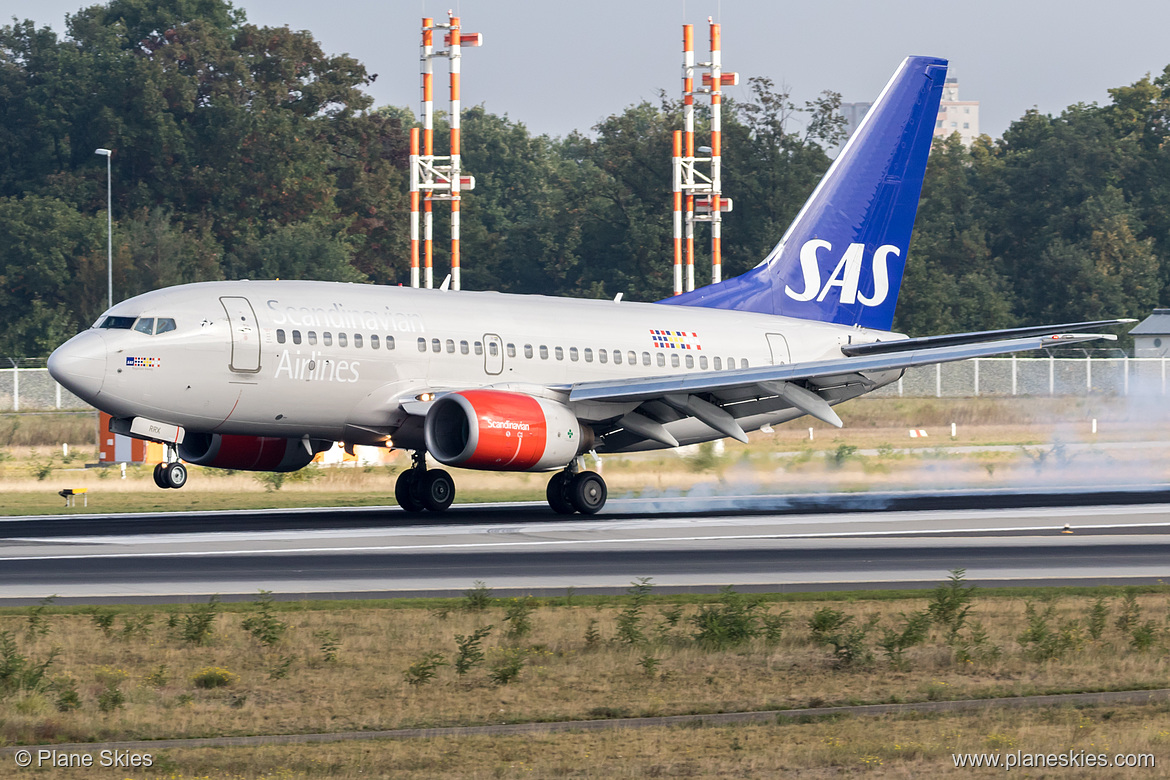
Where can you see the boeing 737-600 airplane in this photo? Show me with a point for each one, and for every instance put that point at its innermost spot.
(263, 375)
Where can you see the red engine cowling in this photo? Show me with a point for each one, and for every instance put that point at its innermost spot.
(502, 431)
(249, 453)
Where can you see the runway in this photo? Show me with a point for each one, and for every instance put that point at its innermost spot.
(773, 543)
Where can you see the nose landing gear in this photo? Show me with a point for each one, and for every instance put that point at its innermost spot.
(171, 474)
(420, 488)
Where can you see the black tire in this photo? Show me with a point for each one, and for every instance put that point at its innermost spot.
(437, 490)
(159, 480)
(588, 493)
(557, 494)
(406, 492)
(175, 475)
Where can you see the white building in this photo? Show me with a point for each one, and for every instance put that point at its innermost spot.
(1151, 337)
(957, 116)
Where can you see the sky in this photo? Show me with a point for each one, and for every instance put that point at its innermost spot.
(562, 66)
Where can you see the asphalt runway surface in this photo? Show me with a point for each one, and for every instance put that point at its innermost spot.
(756, 543)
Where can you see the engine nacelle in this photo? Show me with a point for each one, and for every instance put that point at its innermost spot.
(249, 453)
(497, 430)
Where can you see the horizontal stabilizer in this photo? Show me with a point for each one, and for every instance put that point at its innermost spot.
(977, 337)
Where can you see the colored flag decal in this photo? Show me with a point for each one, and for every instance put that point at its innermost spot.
(675, 339)
(143, 362)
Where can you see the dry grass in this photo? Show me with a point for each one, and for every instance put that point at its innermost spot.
(48, 429)
(563, 677)
(782, 461)
(893, 746)
(910, 746)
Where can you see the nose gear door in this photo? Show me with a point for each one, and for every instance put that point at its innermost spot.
(245, 334)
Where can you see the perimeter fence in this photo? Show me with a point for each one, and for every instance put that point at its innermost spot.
(32, 389)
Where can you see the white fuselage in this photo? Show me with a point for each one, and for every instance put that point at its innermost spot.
(336, 361)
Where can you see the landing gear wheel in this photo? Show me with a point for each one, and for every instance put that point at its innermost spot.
(158, 476)
(557, 493)
(406, 492)
(587, 492)
(437, 490)
(174, 475)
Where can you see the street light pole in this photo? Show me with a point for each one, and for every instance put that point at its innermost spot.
(109, 229)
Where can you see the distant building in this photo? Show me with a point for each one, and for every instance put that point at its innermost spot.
(954, 115)
(957, 116)
(853, 113)
(1151, 337)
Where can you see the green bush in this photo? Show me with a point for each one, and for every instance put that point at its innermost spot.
(264, 625)
(1098, 614)
(37, 624)
(198, 627)
(214, 677)
(826, 622)
(773, 625)
(111, 699)
(1143, 636)
(730, 622)
(629, 621)
(950, 603)
(280, 669)
(592, 634)
(158, 677)
(649, 664)
(1131, 612)
(470, 652)
(1043, 642)
(424, 669)
(136, 627)
(18, 673)
(67, 696)
(271, 480)
(518, 615)
(506, 668)
(895, 642)
(836, 458)
(104, 620)
(329, 645)
(478, 597)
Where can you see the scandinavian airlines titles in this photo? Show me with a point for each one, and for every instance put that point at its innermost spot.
(338, 315)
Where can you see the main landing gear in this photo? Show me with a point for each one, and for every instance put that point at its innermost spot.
(420, 488)
(171, 474)
(576, 491)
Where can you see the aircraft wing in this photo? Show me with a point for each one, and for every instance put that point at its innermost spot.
(720, 399)
(813, 371)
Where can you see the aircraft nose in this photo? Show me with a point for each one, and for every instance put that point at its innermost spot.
(80, 365)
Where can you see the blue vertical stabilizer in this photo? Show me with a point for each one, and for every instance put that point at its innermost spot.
(841, 259)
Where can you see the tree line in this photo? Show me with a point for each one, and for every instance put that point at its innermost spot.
(248, 152)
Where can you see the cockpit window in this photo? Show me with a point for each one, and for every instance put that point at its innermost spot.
(145, 325)
(165, 325)
(117, 323)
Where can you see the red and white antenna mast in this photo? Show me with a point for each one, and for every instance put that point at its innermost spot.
(437, 178)
(688, 180)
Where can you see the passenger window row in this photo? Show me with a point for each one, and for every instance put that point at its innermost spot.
(575, 355)
(327, 339)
